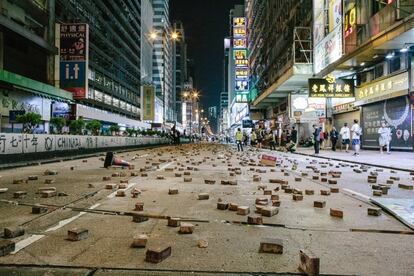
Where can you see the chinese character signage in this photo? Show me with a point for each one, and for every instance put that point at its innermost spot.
(148, 103)
(74, 59)
(386, 88)
(241, 62)
(350, 22)
(242, 97)
(331, 88)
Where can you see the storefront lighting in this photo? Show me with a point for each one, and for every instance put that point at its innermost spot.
(362, 63)
(390, 55)
(404, 50)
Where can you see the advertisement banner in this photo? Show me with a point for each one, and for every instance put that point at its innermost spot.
(328, 50)
(397, 114)
(335, 14)
(148, 104)
(74, 39)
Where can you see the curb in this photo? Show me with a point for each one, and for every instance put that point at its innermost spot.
(356, 162)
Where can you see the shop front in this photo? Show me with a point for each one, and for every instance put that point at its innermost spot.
(386, 100)
(345, 113)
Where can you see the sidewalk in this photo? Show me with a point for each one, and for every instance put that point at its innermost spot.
(395, 160)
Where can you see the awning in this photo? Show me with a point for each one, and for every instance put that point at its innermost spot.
(35, 87)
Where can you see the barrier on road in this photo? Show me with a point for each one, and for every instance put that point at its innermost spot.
(12, 144)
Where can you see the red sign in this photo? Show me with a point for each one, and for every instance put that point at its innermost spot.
(268, 160)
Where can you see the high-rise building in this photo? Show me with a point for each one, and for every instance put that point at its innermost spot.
(162, 60)
(113, 58)
(179, 68)
(280, 56)
(28, 81)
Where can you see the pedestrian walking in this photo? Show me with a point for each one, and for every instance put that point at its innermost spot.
(346, 136)
(239, 139)
(356, 137)
(384, 137)
(316, 138)
(334, 137)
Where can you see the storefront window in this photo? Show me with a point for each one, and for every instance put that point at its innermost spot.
(395, 64)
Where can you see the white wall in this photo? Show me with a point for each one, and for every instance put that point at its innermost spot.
(32, 143)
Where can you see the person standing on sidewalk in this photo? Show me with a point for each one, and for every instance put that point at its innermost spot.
(260, 137)
(316, 138)
(356, 137)
(346, 136)
(272, 140)
(239, 139)
(253, 138)
(334, 137)
(384, 137)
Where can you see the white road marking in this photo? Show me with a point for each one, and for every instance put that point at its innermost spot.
(164, 166)
(112, 195)
(26, 242)
(357, 194)
(33, 238)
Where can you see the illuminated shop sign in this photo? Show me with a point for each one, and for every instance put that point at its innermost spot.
(330, 87)
(241, 63)
(239, 43)
(350, 22)
(239, 21)
(242, 97)
(241, 73)
(390, 85)
(241, 85)
(240, 54)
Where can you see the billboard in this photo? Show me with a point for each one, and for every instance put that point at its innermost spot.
(148, 104)
(241, 62)
(397, 114)
(74, 44)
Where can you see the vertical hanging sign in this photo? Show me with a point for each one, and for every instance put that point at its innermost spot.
(241, 81)
(74, 46)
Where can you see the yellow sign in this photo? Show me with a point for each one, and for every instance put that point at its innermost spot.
(240, 54)
(391, 85)
(239, 21)
(148, 105)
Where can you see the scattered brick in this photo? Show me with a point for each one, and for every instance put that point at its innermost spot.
(222, 205)
(276, 203)
(106, 178)
(188, 179)
(78, 234)
(336, 213)
(270, 211)
(298, 179)
(139, 241)
(309, 192)
(202, 243)
(6, 247)
(19, 194)
(139, 206)
(157, 254)
(138, 218)
(173, 222)
(209, 181)
(13, 232)
(187, 173)
(186, 228)
(319, 204)
(297, 191)
(405, 186)
(255, 220)
(274, 197)
(50, 172)
(243, 210)
(203, 196)
(33, 177)
(274, 246)
(173, 191)
(372, 211)
(120, 193)
(233, 206)
(325, 192)
(48, 193)
(332, 182)
(123, 186)
(297, 197)
(315, 177)
(110, 186)
(267, 192)
(334, 190)
(38, 209)
(309, 263)
(19, 181)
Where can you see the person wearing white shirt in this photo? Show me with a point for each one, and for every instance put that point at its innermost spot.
(346, 136)
(356, 137)
(384, 137)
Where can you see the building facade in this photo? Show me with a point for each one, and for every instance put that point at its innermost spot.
(280, 58)
(180, 75)
(28, 81)
(162, 61)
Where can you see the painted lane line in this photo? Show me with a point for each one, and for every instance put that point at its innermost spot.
(26, 242)
(165, 166)
(112, 195)
(33, 238)
(357, 194)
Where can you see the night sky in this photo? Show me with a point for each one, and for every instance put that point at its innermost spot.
(206, 24)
